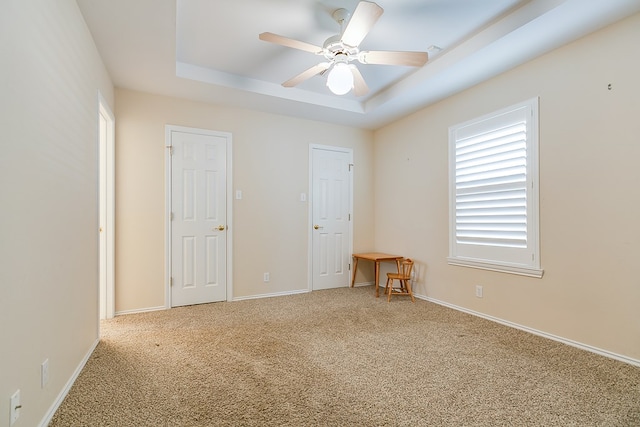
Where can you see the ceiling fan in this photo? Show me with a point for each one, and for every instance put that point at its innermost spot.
(340, 50)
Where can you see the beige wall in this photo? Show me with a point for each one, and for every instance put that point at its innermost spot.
(48, 183)
(49, 82)
(589, 196)
(270, 166)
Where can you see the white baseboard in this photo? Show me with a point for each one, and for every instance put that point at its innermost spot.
(65, 390)
(357, 285)
(140, 310)
(279, 294)
(601, 352)
(275, 294)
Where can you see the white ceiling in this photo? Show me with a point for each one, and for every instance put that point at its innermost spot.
(208, 50)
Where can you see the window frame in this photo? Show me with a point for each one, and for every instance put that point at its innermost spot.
(522, 261)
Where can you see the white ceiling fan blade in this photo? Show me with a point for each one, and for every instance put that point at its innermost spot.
(412, 59)
(363, 18)
(360, 87)
(307, 74)
(286, 41)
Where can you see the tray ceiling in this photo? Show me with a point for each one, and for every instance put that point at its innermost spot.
(209, 50)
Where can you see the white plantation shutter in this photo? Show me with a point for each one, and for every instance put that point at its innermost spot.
(491, 187)
(493, 181)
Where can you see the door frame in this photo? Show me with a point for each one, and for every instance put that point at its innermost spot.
(349, 151)
(106, 206)
(167, 198)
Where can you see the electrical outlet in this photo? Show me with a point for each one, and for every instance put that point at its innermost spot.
(44, 373)
(479, 291)
(266, 277)
(14, 409)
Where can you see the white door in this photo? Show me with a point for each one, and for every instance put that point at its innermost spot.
(331, 216)
(106, 212)
(199, 222)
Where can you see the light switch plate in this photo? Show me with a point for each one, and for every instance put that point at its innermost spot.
(44, 373)
(14, 409)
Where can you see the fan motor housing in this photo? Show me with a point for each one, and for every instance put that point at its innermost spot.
(333, 47)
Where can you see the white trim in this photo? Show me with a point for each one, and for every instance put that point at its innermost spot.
(516, 260)
(310, 208)
(67, 387)
(109, 205)
(359, 284)
(582, 346)
(229, 179)
(167, 205)
(275, 294)
(141, 310)
(167, 216)
(502, 268)
(310, 222)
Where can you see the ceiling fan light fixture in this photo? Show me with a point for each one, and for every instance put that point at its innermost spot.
(340, 79)
(340, 49)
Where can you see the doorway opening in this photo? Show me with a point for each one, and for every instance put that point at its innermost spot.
(106, 180)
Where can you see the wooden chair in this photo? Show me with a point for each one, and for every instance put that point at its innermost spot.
(404, 277)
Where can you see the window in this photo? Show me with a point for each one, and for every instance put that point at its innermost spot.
(493, 184)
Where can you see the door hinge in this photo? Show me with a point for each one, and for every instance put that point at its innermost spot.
(170, 147)
(349, 217)
(170, 281)
(171, 216)
(349, 266)
(350, 166)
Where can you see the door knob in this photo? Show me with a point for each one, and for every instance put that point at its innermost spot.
(317, 227)
(220, 227)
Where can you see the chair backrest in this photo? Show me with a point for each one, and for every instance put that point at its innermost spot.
(406, 266)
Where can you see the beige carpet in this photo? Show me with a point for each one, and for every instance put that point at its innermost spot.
(341, 358)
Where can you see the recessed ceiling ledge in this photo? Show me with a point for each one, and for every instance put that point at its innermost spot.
(444, 61)
(207, 75)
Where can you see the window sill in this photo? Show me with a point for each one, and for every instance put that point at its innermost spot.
(501, 268)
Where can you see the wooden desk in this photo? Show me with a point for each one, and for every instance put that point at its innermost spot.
(377, 258)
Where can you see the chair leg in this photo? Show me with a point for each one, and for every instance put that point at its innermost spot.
(408, 285)
(390, 289)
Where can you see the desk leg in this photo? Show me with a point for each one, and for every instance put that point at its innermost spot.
(355, 267)
(377, 268)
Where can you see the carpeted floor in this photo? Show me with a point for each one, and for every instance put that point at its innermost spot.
(341, 357)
